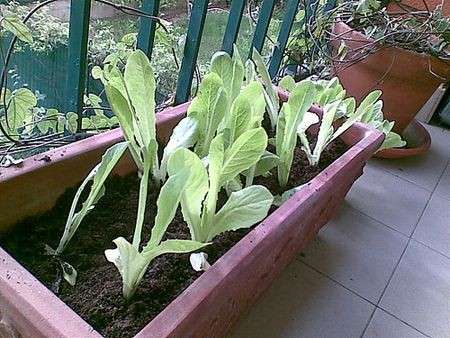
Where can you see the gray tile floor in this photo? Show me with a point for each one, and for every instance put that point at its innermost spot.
(380, 269)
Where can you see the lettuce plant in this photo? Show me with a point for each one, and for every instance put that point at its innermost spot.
(131, 261)
(327, 133)
(270, 93)
(370, 111)
(291, 115)
(199, 198)
(132, 99)
(228, 104)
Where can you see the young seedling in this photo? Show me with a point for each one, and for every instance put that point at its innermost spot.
(199, 199)
(131, 261)
(292, 114)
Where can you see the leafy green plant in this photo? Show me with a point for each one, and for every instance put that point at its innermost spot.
(291, 115)
(130, 260)
(199, 200)
(131, 96)
(327, 133)
(370, 111)
(270, 93)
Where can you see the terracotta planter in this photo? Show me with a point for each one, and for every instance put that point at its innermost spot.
(215, 301)
(403, 76)
(420, 5)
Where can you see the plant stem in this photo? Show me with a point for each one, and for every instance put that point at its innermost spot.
(141, 207)
(251, 174)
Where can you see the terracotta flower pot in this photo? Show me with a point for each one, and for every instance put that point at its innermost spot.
(420, 5)
(407, 79)
(211, 305)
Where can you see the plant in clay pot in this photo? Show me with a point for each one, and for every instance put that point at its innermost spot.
(404, 54)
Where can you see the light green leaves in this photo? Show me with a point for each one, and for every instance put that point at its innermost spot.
(98, 176)
(20, 104)
(132, 99)
(329, 91)
(243, 209)
(208, 108)
(196, 189)
(270, 92)
(230, 70)
(184, 135)
(292, 115)
(199, 199)
(140, 84)
(130, 263)
(14, 25)
(167, 204)
(245, 152)
(370, 111)
(287, 83)
(133, 263)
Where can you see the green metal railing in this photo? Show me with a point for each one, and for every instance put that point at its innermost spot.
(78, 40)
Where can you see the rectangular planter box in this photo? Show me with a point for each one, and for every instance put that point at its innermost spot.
(212, 305)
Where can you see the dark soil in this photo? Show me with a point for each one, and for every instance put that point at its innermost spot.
(97, 296)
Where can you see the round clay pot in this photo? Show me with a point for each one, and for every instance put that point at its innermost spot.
(407, 79)
(419, 5)
(418, 142)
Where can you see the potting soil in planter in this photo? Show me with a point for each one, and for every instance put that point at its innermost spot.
(97, 296)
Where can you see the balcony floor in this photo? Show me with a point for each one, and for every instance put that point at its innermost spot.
(381, 268)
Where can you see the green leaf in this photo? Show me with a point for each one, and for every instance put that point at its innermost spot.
(271, 94)
(287, 83)
(392, 140)
(130, 263)
(230, 70)
(14, 25)
(98, 176)
(292, 115)
(208, 108)
(267, 162)
(184, 135)
(121, 108)
(20, 104)
(243, 209)
(245, 152)
(71, 122)
(196, 189)
(167, 204)
(325, 131)
(174, 246)
(141, 85)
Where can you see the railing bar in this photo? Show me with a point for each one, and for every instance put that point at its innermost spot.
(265, 14)
(283, 36)
(191, 47)
(80, 11)
(77, 56)
(233, 25)
(147, 27)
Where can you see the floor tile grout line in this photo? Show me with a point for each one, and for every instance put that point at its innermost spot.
(335, 281)
(428, 202)
(431, 248)
(362, 297)
(378, 221)
(401, 256)
(405, 179)
(404, 322)
(359, 296)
